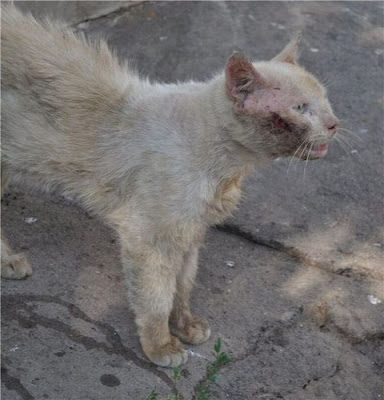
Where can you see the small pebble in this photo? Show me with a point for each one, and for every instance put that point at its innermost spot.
(314, 50)
(230, 264)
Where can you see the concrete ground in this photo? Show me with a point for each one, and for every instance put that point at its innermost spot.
(293, 284)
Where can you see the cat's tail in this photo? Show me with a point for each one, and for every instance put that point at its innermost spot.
(69, 63)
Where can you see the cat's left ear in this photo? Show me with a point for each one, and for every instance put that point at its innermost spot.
(290, 53)
(241, 77)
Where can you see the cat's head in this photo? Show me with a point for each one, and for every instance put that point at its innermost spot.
(287, 105)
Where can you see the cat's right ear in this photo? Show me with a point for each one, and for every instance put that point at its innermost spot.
(290, 53)
(241, 77)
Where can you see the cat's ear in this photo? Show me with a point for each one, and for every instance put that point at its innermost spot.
(290, 53)
(241, 77)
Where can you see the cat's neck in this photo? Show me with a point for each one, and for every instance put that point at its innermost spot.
(207, 113)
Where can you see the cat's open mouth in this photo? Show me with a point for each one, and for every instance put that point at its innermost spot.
(316, 151)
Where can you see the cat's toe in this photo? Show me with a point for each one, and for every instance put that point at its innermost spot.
(169, 355)
(196, 330)
(15, 267)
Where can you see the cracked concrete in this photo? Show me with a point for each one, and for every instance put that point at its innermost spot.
(285, 283)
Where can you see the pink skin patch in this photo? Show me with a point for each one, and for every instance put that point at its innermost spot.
(265, 101)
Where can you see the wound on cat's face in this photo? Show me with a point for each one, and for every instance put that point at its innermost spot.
(286, 104)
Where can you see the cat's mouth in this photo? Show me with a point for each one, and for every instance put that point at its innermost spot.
(315, 152)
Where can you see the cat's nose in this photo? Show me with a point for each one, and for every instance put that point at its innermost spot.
(332, 125)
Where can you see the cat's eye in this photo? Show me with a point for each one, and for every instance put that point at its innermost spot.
(301, 108)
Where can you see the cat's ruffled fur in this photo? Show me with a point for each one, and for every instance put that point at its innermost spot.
(159, 163)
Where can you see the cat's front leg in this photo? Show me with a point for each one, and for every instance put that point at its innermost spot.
(191, 329)
(151, 281)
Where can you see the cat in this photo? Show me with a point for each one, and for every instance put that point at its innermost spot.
(160, 163)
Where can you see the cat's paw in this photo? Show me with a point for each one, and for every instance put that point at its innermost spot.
(195, 330)
(15, 267)
(169, 355)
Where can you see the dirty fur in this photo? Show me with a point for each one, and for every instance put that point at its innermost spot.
(159, 163)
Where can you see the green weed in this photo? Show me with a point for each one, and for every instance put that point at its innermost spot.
(202, 390)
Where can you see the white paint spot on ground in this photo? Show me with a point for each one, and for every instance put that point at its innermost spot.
(14, 348)
(196, 354)
(30, 220)
(314, 50)
(373, 299)
(278, 26)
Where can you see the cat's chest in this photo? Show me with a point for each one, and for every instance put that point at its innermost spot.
(226, 196)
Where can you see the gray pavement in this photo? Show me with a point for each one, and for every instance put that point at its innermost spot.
(298, 308)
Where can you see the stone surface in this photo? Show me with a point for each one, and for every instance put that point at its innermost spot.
(285, 284)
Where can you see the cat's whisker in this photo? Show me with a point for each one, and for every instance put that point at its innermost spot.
(306, 161)
(345, 140)
(354, 134)
(347, 147)
(329, 80)
(305, 147)
(328, 83)
(342, 145)
(293, 156)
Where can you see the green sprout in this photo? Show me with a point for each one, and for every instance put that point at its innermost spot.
(202, 390)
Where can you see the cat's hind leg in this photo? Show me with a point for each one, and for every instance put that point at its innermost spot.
(13, 266)
(189, 328)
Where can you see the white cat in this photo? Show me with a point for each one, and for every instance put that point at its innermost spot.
(159, 163)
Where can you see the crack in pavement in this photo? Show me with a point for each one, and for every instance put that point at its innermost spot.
(291, 251)
(12, 304)
(12, 383)
(120, 10)
(336, 370)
